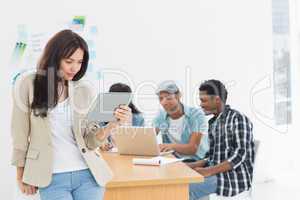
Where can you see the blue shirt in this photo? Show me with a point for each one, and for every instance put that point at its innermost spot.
(138, 119)
(194, 121)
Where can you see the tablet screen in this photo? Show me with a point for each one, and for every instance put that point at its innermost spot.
(103, 107)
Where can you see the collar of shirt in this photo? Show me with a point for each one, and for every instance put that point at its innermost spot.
(221, 116)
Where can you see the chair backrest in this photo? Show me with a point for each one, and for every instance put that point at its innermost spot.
(247, 194)
(256, 149)
(256, 146)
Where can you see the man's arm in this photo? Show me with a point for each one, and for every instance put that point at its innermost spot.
(186, 149)
(242, 132)
(242, 137)
(157, 130)
(198, 127)
(213, 170)
(198, 163)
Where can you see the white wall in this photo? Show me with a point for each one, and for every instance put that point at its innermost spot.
(188, 41)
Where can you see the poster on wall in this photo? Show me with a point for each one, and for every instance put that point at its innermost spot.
(30, 43)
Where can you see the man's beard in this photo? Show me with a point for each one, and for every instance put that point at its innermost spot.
(173, 110)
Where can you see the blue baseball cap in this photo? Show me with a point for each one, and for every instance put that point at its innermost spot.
(168, 86)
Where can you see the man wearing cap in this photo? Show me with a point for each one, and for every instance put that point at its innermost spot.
(183, 128)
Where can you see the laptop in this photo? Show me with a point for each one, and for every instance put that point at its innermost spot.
(137, 141)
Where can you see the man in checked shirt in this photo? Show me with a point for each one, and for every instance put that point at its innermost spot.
(228, 167)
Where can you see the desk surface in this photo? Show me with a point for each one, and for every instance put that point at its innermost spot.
(127, 175)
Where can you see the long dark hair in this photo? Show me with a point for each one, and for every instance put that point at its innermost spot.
(62, 45)
(121, 87)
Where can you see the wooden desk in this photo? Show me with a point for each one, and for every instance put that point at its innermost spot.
(136, 182)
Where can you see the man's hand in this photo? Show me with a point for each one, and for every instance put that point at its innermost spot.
(166, 147)
(192, 165)
(204, 171)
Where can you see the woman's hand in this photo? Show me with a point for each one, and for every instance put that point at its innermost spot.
(124, 115)
(27, 189)
(106, 147)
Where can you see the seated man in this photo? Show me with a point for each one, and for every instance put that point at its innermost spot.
(183, 128)
(229, 166)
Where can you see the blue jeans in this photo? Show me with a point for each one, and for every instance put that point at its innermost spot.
(76, 185)
(199, 190)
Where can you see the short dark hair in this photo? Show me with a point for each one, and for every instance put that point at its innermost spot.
(214, 87)
(121, 87)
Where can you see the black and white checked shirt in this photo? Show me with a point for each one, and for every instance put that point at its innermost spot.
(231, 139)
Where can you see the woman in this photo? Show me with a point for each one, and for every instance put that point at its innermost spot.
(53, 149)
(137, 117)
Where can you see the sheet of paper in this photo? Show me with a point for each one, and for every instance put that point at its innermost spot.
(156, 161)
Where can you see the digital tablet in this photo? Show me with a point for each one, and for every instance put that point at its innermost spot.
(104, 105)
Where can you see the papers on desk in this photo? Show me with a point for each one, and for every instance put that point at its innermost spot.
(113, 150)
(155, 161)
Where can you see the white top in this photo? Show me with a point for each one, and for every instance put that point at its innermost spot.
(66, 154)
(176, 129)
